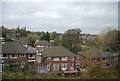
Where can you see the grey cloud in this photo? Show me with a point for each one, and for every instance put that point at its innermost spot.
(60, 16)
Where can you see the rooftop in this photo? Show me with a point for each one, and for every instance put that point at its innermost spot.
(13, 47)
(57, 51)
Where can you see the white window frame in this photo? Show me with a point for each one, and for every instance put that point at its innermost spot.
(31, 60)
(56, 59)
(55, 68)
(64, 58)
(48, 67)
(64, 65)
(46, 46)
(40, 46)
(14, 57)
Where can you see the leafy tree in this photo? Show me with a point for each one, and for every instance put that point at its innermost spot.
(53, 35)
(109, 40)
(46, 36)
(4, 32)
(31, 38)
(96, 72)
(70, 40)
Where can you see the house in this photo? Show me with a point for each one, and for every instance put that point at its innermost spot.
(42, 45)
(88, 58)
(58, 58)
(15, 54)
(31, 57)
(86, 37)
(23, 41)
(11, 36)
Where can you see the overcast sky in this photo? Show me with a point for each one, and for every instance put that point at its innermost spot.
(90, 17)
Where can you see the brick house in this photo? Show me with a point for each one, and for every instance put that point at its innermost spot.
(42, 45)
(23, 41)
(58, 58)
(90, 57)
(15, 54)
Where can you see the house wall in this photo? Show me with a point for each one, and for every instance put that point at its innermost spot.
(108, 62)
(51, 62)
(83, 61)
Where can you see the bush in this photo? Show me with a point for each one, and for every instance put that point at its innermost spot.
(6, 68)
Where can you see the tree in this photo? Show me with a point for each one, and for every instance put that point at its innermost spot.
(4, 32)
(31, 38)
(70, 40)
(96, 72)
(6, 68)
(53, 35)
(109, 40)
(46, 36)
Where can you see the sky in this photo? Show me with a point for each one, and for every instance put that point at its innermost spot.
(90, 17)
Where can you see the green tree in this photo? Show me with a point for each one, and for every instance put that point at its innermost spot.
(4, 32)
(70, 39)
(109, 40)
(96, 72)
(46, 36)
(31, 38)
(6, 68)
(53, 35)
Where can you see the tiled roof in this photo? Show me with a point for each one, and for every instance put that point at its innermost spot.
(13, 47)
(43, 43)
(57, 51)
(94, 53)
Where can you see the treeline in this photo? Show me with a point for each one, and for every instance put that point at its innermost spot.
(19, 32)
(108, 40)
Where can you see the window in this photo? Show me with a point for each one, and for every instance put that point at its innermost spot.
(22, 55)
(115, 58)
(39, 46)
(46, 46)
(64, 58)
(40, 49)
(64, 65)
(48, 67)
(4, 56)
(55, 67)
(77, 65)
(71, 67)
(13, 56)
(22, 64)
(42, 46)
(56, 59)
(48, 58)
(71, 58)
(78, 60)
(31, 56)
(108, 65)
